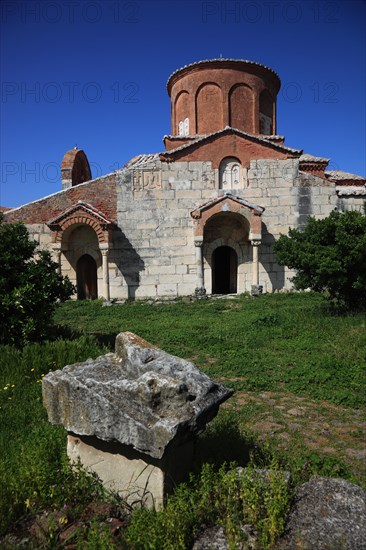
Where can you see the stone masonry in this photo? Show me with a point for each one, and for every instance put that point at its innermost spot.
(200, 217)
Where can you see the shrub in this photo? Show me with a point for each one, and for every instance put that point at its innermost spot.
(329, 255)
(30, 287)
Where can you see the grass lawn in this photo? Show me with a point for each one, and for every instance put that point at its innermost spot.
(298, 371)
(279, 342)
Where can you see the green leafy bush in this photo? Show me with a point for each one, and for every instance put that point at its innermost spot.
(329, 255)
(30, 287)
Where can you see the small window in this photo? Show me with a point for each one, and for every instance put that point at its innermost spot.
(230, 174)
(183, 127)
(186, 126)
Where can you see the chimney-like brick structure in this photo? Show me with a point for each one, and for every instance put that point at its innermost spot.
(75, 168)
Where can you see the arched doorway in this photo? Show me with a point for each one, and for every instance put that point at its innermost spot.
(86, 277)
(224, 270)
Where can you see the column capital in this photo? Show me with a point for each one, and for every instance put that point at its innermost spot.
(256, 242)
(198, 242)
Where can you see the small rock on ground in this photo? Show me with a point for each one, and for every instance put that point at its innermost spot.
(211, 538)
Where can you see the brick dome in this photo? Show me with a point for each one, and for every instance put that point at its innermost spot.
(209, 95)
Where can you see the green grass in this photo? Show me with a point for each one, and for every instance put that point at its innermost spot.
(289, 345)
(33, 453)
(288, 341)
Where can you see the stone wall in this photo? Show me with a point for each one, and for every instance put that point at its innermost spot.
(152, 252)
(156, 246)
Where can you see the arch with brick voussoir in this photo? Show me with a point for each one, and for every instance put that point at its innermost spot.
(228, 203)
(79, 240)
(83, 230)
(81, 219)
(82, 239)
(207, 219)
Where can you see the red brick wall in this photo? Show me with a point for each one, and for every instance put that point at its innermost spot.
(231, 146)
(226, 75)
(242, 107)
(100, 193)
(209, 109)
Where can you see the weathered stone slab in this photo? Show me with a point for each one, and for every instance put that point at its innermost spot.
(327, 513)
(138, 396)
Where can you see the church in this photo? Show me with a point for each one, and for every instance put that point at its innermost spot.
(201, 216)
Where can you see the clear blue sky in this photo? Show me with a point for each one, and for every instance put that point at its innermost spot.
(93, 73)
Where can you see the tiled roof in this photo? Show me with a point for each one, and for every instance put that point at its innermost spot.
(275, 137)
(85, 206)
(222, 60)
(253, 137)
(339, 175)
(62, 191)
(194, 136)
(350, 190)
(141, 160)
(311, 158)
(228, 195)
(181, 138)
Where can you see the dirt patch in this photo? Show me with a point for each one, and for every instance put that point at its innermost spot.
(322, 427)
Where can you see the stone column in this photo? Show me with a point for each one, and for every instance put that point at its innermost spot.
(200, 288)
(256, 287)
(104, 250)
(57, 257)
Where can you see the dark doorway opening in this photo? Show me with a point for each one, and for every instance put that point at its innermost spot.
(224, 270)
(86, 278)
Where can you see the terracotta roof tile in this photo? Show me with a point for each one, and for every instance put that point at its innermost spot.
(312, 158)
(222, 60)
(253, 137)
(339, 175)
(228, 195)
(141, 160)
(350, 190)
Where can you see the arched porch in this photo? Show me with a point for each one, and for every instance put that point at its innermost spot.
(81, 237)
(233, 225)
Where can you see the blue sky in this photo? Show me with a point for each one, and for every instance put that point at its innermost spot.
(93, 74)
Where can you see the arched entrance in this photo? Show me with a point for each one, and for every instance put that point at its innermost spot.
(86, 277)
(224, 270)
